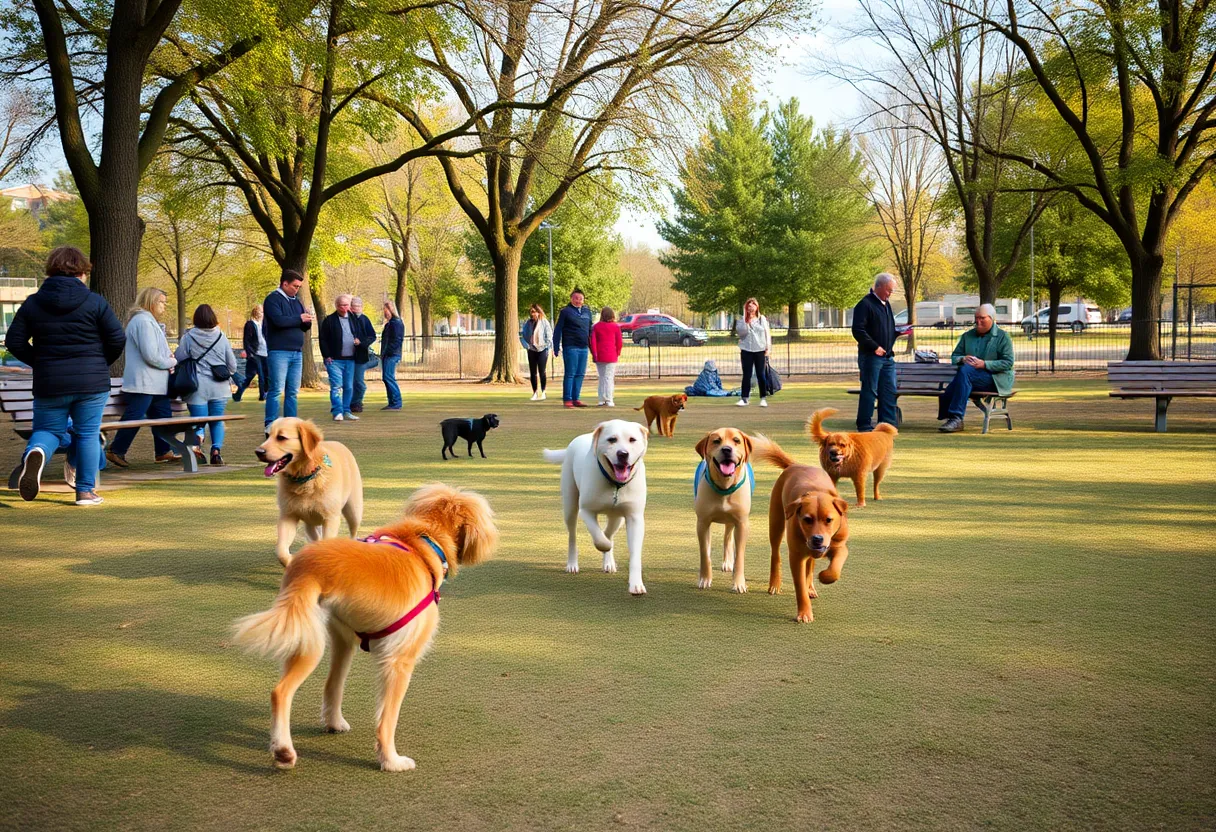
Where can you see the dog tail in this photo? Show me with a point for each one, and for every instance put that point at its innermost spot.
(883, 427)
(643, 407)
(294, 625)
(771, 452)
(815, 423)
(556, 457)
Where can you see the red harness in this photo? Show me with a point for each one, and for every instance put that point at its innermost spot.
(431, 598)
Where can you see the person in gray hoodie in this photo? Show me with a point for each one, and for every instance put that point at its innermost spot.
(207, 344)
(145, 376)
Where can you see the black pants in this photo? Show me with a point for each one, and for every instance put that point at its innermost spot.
(537, 361)
(255, 367)
(753, 360)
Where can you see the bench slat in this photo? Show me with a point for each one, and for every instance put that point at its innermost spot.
(1156, 394)
(186, 420)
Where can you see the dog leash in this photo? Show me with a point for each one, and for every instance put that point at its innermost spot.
(365, 639)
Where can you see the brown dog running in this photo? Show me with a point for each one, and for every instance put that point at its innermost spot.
(853, 455)
(384, 593)
(665, 409)
(806, 510)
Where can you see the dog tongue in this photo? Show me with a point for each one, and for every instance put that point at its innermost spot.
(270, 469)
(727, 468)
(621, 470)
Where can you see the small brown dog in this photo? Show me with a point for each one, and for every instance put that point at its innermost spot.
(806, 510)
(381, 592)
(853, 455)
(665, 409)
(722, 493)
(319, 482)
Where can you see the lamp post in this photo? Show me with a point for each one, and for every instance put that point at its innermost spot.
(548, 226)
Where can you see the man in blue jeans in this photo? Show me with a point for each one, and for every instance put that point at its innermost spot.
(874, 329)
(573, 330)
(984, 357)
(366, 333)
(339, 341)
(391, 339)
(286, 321)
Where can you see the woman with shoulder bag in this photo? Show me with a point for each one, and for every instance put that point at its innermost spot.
(145, 376)
(755, 342)
(208, 346)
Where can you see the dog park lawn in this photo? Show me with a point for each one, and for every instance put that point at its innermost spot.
(1023, 638)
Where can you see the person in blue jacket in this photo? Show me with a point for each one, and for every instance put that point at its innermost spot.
(391, 339)
(573, 333)
(286, 321)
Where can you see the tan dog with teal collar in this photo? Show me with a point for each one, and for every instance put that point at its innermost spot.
(319, 482)
(722, 493)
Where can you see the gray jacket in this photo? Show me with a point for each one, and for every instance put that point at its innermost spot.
(148, 358)
(193, 345)
(754, 337)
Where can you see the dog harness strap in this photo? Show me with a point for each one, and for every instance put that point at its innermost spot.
(365, 639)
(325, 463)
(703, 474)
(438, 550)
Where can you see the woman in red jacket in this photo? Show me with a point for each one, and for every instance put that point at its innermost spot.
(606, 346)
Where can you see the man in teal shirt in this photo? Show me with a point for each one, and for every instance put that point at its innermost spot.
(984, 357)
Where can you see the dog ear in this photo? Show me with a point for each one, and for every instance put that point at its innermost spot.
(841, 506)
(595, 438)
(310, 437)
(747, 446)
(792, 509)
(703, 445)
(645, 432)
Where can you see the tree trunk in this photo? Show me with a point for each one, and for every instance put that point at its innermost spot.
(399, 292)
(115, 233)
(794, 332)
(988, 285)
(910, 300)
(179, 288)
(425, 323)
(504, 369)
(1146, 308)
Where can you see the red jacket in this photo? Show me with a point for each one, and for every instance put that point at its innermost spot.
(606, 342)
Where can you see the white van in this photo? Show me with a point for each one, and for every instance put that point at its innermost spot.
(1075, 316)
(1008, 312)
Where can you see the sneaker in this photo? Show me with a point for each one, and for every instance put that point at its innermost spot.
(88, 498)
(568, 404)
(199, 455)
(601, 404)
(216, 459)
(119, 459)
(338, 417)
(236, 397)
(763, 402)
(31, 474)
(952, 425)
(543, 396)
(351, 417)
(609, 404)
(741, 403)
(535, 397)
(391, 407)
(69, 474)
(356, 408)
(168, 456)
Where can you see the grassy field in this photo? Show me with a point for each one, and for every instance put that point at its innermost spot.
(1023, 638)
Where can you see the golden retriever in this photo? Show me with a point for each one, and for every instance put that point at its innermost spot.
(319, 482)
(853, 455)
(381, 594)
(664, 409)
(807, 511)
(722, 493)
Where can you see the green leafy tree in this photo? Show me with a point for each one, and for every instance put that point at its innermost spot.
(66, 222)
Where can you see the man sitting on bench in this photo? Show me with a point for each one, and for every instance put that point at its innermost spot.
(984, 357)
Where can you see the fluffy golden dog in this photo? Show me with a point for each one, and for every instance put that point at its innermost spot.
(664, 409)
(806, 510)
(319, 482)
(347, 590)
(722, 493)
(853, 455)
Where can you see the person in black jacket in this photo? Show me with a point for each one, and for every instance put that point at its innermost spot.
(255, 355)
(363, 352)
(286, 322)
(874, 329)
(70, 337)
(572, 332)
(391, 338)
(339, 339)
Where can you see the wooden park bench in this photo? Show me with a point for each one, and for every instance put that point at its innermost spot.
(1163, 381)
(17, 400)
(912, 379)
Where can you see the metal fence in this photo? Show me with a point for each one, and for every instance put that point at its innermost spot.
(817, 351)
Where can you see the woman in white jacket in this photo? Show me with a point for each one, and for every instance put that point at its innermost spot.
(145, 377)
(755, 342)
(207, 344)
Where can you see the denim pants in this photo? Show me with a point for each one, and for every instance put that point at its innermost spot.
(51, 422)
(255, 367)
(213, 407)
(574, 367)
(360, 384)
(388, 367)
(953, 400)
(341, 385)
(284, 368)
(139, 406)
(877, 383)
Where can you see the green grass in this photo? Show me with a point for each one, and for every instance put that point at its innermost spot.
(1022, 639)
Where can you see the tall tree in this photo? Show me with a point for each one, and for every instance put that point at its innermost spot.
(1152, 64)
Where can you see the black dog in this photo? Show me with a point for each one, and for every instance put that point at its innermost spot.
(472, 430)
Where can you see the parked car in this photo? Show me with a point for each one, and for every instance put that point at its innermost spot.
(1074, 316)
(1125, 317)
(666, 334)
(629, 323)
(902, 327)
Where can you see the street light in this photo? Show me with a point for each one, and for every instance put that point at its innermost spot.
(548, 226)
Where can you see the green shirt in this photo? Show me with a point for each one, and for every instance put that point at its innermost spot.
(996, 350)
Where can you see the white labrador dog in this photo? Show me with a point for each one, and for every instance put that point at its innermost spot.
(603, 473)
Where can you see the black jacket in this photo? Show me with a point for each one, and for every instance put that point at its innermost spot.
(873, 325)
(391, 338)
(251, 338)
(366, 333)
(281, 322)
(331, 336)
(69, 336)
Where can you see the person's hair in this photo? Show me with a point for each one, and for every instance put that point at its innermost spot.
(355, 299)
(392, 307)
(606, 314)
(988, 309)
(290, 276)
(204, 317)
(67, 260)
(146, 299)
(751, 300)
(255, 309)
(537, 308)
(338, 299)
(577, 291)
(883, 278)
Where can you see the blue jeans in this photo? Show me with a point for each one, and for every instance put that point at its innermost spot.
(388, 366)
(574, 367)
(953, 400)
(341, 385)
(139, 406)
(255, 367)
(877, 383)
(360, 384)
(214, 407)
(284, 368)
(51, 422)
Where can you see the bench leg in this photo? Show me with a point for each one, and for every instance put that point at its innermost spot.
(1163, 404)
(985, 406)
(169, 434)
(899, 415)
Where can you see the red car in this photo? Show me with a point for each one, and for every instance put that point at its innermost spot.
(629, 323)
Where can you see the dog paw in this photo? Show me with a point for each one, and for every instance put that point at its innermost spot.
(572, 568)
(336, 726)
(609, 562)
(284, 758)
(859, 505)
(728, 566)
(603, 545)
(805, 617)
(637, 589)
(774, 589)
(397, 763)
(284, 558)
(704, 583)
(740, 587)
